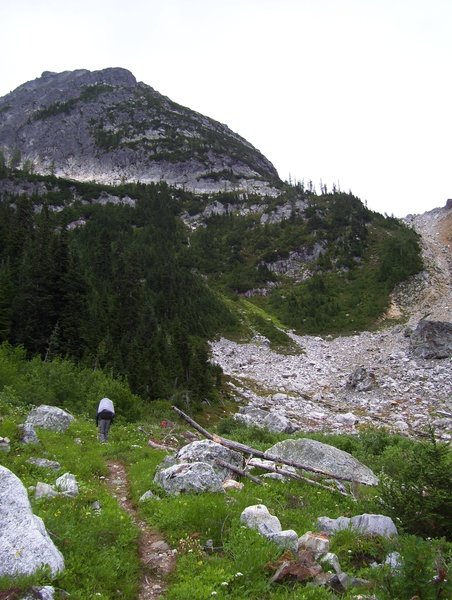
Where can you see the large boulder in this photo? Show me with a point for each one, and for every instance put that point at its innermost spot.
(207, 451)
(25, 545)
(189, 477)
(432, 339)
(330, 460)
(365, 524)
(49, 417)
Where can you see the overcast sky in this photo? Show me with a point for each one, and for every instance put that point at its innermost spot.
(355, 92)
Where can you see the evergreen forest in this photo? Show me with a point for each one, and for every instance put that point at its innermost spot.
(113, 278)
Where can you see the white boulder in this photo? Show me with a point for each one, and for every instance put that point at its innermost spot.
(25, 545)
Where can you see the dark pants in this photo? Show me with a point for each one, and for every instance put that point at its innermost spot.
(104, 427)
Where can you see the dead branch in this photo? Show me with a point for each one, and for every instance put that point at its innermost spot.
(257, 453)
(237, 470)
(286, 473)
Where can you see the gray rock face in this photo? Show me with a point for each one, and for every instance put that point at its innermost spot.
(49, 417)
(207, 451)
(104, 126)
(432, 339)
(25, 545)
(194, 477)
(327, 458)
(365, 524)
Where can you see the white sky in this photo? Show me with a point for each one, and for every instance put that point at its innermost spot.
(356, 92)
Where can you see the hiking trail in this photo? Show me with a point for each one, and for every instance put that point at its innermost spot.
(157, 558)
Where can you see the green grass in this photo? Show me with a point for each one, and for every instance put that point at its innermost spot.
(100, 548)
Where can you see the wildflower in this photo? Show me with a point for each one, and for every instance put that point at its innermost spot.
(224, 583)
(238, 574)
(213, 594)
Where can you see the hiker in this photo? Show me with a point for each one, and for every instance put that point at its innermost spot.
(104, 417)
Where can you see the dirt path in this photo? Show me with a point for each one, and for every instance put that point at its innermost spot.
(157, 558)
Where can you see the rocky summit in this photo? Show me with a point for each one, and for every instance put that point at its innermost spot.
(107, 127)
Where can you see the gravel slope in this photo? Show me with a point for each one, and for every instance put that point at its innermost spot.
(401, 392)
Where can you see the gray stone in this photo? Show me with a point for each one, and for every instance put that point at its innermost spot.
(28, 434)
(49, 417)
(4, 445)
(348, 419)
(207, 451)
(394, 561)
(25, 545)
(361, 380)
(331, 560)
(67, 145)
(332, 525)
(44, 463)
(374, 525)
(365, 524)
(189, 477)
(277, 423)
(46, 592)
(258, 517)
(286, 539)
(432, 339)
(67, 484)
(330, 460)
(263, 419)
(317, 543)
(148, 496)
(44, 490)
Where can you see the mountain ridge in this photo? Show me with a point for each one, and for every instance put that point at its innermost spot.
(107, 127)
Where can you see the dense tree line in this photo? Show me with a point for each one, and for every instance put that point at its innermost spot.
(137, 294)
(115, 294)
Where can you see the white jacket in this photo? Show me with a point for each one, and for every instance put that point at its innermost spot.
(106, 404)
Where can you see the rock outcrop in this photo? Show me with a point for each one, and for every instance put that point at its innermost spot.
(105, 126)
(432, 339)
(25, 545)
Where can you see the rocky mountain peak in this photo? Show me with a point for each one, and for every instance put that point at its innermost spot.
(104, 126)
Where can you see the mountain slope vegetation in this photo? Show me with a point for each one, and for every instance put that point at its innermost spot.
(113, 277)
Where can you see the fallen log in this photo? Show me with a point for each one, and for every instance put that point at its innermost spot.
(237, 470)
(253, 451)
(286, 473)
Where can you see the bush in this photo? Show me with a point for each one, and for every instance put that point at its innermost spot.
(422, 574)
(417, 491)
